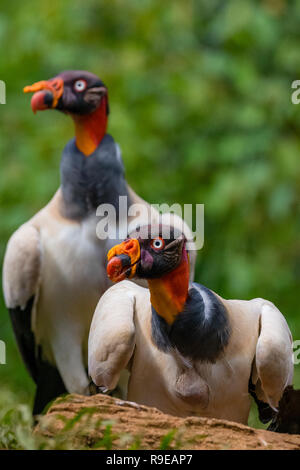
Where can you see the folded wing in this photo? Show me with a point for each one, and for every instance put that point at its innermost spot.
(21, 272)
(112, 335)
(273, 368)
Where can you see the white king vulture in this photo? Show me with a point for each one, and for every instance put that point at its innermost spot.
(189, 351)
(54, 268)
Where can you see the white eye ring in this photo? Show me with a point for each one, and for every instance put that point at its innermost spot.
(158, 243)
(80, 85)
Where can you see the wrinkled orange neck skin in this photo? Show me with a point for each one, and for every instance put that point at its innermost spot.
(169, 293)
(91, 128)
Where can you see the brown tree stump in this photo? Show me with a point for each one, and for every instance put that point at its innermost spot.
(103, 422)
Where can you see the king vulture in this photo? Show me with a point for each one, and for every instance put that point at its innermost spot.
(54, 266)
(189, 351)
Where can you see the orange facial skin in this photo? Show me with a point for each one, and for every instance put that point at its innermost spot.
(115, 269)
(168, 294)
(91, 128)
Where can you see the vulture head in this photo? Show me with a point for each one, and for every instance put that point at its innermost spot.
(80, 94)
(73, 92)
(149, 253)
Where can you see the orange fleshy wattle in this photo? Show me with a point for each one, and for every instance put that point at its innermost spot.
(131, 248)
(55, 86)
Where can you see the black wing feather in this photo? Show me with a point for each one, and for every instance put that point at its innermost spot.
(46, 377)
(287, 420)
(21, 323)
(265, 412)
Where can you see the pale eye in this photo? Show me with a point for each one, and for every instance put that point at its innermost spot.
(80, 85)
(158, 243)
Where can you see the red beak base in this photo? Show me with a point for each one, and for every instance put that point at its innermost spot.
(46, 93)
(122, 260)
(115, 270)
(38, 101)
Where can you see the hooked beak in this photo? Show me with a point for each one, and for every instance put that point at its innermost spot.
(46, 93)
(123, 259)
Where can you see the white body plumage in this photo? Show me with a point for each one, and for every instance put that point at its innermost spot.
(260, 347)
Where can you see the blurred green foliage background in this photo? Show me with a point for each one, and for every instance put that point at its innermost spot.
(200, 99)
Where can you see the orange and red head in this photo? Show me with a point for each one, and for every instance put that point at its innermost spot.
(159, 258)
(82, 95)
